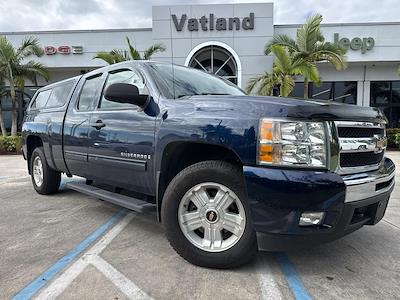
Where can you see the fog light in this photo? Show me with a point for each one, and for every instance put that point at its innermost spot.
(310, 218)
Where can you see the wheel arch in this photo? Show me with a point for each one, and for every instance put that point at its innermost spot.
(176, 156)
(32, 142)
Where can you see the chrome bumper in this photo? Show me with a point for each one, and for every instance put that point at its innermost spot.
(366, 185)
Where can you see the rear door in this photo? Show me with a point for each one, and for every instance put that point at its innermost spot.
(121, 148)
(77, 124)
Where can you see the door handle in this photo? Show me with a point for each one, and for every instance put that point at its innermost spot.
(98, 125)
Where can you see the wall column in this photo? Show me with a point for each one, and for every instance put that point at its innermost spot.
(367, 90)
(360, 93)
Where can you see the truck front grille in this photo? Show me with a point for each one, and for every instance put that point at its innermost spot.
(354, 132)
(361, 146)
(348, 160)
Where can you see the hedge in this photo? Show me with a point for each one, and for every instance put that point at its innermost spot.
(393, 134)
(10, 144)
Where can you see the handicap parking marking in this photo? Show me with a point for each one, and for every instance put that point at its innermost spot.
(92, 257)
(39, 282)
(292, 277)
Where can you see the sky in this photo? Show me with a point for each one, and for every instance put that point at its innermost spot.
(27, 15)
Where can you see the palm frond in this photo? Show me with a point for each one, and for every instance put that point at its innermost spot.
(309, 34)
(7, 51)
(250, 85)
(134, 53)
(332, 53)
(29, 46)
(112, 57)
(30, 70)
(261, 85)
(286, 85)
(119, 55)
(282, 40)
(283, 60)
(149, 52)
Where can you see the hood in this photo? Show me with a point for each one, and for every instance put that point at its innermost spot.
(288, 107)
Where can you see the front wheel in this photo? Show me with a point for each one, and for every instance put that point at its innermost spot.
(45, 180)
(206, 216)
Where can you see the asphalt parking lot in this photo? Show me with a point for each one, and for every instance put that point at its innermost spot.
(71, 246)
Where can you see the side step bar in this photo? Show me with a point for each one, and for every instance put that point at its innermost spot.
(118, 199)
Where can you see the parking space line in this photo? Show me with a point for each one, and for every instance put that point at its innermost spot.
(293, 279)
(124, 284)
(268, 285)
(91, 257)
(33, 287)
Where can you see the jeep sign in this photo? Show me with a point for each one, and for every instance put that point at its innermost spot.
(364, 44)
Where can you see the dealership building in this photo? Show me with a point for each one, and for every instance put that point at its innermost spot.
(229, 40)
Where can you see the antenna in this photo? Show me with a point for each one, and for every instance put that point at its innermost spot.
(172, 52)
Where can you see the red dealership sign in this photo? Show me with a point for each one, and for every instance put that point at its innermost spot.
(65, 50)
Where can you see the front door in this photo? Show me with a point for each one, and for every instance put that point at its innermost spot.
(77, 124)
(121, 148)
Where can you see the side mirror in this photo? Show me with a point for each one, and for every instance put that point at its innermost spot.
(125, 93)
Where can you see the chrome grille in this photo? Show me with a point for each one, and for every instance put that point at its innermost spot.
(361, 146)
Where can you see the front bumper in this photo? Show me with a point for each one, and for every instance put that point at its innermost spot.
(277, 197)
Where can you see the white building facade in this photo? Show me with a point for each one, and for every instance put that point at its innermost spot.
(229, 40)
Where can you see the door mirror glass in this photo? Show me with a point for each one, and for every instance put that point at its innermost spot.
(125, 93)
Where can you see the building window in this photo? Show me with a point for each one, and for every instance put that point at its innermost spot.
(386, 96)
(337, 91)
(216, 60)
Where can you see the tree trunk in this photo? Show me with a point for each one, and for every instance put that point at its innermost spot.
(305, 91)
(14, 122)
(2, 127)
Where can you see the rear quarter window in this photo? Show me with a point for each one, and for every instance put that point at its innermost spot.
(59, 95)
(41, 99)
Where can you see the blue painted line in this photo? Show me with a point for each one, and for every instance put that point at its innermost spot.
(33, 287)
(292, 277)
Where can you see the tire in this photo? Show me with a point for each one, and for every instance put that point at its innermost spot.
(50, 179)
(218, 246)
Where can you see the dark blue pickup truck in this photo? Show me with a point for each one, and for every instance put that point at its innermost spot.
(223, 171)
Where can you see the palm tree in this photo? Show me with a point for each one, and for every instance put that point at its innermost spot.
(284, 70)
(117, 55)
(15, 69)
(2, 126)
(310, 45)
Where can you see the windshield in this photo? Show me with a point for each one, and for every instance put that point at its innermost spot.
(189, 82)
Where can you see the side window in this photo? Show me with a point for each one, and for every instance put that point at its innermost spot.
(59, 95)
(41, 99)
(88, 92)
(122, 76)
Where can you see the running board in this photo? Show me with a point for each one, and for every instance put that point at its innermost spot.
(118, 199)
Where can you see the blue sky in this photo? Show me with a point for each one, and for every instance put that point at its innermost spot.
(25, 15)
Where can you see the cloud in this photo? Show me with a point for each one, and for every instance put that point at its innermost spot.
(26, 15)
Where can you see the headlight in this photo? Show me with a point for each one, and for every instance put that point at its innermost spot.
(292, 143)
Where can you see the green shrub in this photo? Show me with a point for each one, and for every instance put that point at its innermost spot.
(391, 135)
(2, 143)
(11, 144)
(397, 139)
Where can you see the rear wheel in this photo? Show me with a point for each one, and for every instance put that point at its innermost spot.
(206, 216)
(45, 180)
